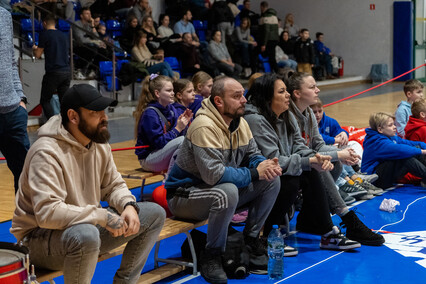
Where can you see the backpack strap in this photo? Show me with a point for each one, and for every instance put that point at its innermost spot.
(167, 124)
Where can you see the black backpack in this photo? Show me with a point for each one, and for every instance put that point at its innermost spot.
(236, 258)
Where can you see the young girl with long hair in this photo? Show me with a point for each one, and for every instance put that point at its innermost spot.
(158, 124)
(203, 84)
(184, 95)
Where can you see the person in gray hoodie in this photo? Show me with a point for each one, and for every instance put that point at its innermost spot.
(277, 135)
(304, 92)
(14, 143)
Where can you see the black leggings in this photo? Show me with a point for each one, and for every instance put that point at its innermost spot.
(391, 171)
(315, 206)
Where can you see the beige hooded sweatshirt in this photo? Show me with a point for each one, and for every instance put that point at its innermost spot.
(63, 182)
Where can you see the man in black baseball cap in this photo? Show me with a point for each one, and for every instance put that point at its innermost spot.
(83, 109)
(69, 169)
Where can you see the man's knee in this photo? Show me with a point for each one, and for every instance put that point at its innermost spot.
(82, 238)
(154, 212)
(229, 198)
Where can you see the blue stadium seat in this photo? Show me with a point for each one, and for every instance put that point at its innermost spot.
(105, 69)
(63, 25)
(29, 40)
(113, 28)
(200, 29)
(265, 63)
(174, 63)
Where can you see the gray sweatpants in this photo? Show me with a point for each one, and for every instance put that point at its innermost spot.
(218, 204)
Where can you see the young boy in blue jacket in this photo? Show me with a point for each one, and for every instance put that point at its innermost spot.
(390, 156)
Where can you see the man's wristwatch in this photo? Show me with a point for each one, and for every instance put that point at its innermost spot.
(134, 204)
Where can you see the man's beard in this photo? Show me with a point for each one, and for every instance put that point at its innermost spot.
(234, 115)
(96, 135)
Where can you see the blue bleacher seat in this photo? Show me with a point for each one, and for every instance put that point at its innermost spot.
(30, 41)
(265, 63)
(113, 28)
(63, 25)
(200, 29)
(174, 63)
(26, 25)
(105, 69)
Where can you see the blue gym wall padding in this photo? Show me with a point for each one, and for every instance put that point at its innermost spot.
(403, 43)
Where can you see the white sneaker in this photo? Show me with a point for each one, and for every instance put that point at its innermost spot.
(79, 76)
(92, 75)
(247, 72)
(370, 178)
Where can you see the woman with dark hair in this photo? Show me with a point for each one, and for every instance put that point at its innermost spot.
(304, 92)
(129, 33)
(277, 135)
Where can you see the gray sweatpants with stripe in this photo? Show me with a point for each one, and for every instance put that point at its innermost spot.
(218, 205)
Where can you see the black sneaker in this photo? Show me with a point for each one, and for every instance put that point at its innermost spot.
(211, 266)
(258, 252)
(335, 240)
(356, 230)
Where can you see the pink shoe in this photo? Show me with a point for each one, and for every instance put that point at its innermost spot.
(238, 218)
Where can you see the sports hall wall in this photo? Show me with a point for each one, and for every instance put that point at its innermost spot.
(360, 35)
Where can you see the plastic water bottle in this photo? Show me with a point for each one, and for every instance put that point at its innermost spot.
(276, 254)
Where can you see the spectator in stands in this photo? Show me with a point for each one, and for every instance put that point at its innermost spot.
(280, 26)
(185, 26)
(287, 45)
(168, 37)
(203, 83)
(90, 49)
(141, 10)
(128, 37)
(413, 90)
(304, 52)
(277, 135)
(283, 60)
(268, 33)
(223, 61)
(211, 178)
(222, 18)
(290, 26)
(304, 92)
(68, 171)
(153, 63)
(165, 31)
(390, 156)
(56, 48)
(157, 124)
(324, 55)
(101, 29)
(333, 134)
(188, 55)
(254, 18)
(154, 40)
(184, 95)
(200, 8)
(14, 143)
(246, 46)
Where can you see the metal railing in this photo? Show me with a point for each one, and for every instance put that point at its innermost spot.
(114, 49)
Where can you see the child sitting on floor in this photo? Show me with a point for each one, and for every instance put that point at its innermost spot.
(413, 90)
(390, 156)
(333, 134)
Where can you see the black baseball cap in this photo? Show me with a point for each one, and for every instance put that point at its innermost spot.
(87, 96)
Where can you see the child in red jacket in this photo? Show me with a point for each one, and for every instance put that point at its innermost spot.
(416, 126)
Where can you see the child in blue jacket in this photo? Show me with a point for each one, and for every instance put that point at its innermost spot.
(390, 156)
(158, 123)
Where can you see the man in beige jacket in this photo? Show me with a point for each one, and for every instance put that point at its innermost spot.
(66, 174)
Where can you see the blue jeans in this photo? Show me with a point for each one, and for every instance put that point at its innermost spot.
(287, 63)
(14, 143)
(75, 250)
(162, 67)
(347, 171)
